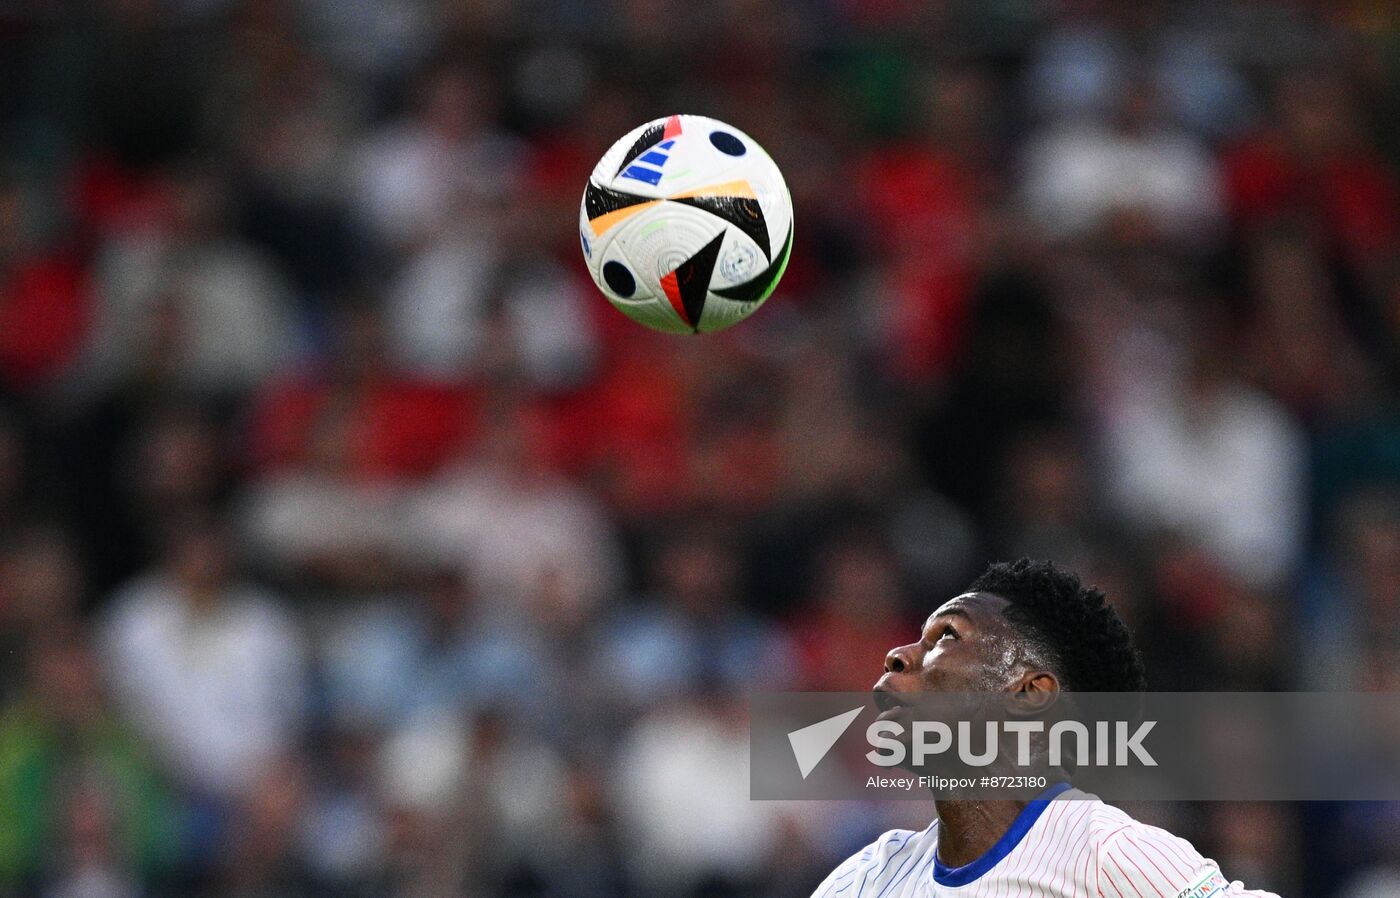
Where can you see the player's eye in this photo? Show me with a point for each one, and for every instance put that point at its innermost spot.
(948, 632)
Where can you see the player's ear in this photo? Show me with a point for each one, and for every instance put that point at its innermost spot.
(1034, 692)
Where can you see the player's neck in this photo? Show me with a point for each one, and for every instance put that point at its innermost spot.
(968, 829)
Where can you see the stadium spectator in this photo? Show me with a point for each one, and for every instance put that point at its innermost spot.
(503, 514)
(1352, 602)
(187, 300)
(1197, 449)
(410, 174)
(210, 667)
(689, 627)
(1131, 169)
(82, 797)
(724, 841)
(857, 606)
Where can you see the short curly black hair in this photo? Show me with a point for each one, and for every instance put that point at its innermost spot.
(1070, 625)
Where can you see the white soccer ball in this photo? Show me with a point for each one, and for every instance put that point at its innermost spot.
(686, 225)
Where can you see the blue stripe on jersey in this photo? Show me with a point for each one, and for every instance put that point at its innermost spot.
(895, 882)
(907, 838)
(961, 876)
(849, 877)
(908, 843)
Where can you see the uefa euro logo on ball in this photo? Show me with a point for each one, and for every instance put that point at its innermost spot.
(686, 225)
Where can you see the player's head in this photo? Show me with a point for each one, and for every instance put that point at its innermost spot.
(1021, 626)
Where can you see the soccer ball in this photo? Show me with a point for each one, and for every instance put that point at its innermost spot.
(686, 225)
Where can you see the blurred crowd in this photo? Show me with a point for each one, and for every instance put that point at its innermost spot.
(352, 545)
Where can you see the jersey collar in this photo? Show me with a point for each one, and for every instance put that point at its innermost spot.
(961, 876)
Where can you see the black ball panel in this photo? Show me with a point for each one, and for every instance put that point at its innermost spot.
(727, 143)
(619, 279)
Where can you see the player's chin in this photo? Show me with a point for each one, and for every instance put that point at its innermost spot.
(900, 714)
(899, 725)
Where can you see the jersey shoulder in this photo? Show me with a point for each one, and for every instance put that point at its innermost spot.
(890, 858)
(1133, 858)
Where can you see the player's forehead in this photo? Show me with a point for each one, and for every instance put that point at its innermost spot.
(977, 607)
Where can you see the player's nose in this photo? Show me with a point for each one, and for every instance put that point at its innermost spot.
(897, 660)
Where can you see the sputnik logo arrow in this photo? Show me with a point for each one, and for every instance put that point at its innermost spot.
(811, 743)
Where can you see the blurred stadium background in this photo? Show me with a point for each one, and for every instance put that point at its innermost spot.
(352, 545)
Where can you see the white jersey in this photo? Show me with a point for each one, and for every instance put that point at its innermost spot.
(1065, 844)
